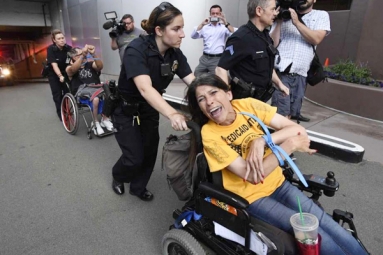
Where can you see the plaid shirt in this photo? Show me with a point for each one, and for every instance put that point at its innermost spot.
(293, 48)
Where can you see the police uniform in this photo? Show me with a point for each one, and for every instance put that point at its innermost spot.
(135, 120)
(248, 57)
(60, 57)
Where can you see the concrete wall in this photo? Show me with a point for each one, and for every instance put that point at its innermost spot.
(370, 48)
(356, 34)
(355, 99)
(22, 13)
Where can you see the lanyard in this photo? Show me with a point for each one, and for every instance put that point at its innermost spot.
(277, 150)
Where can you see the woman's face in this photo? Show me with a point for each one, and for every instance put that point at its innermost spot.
(215, 104)
(59, 40)
(173, 33)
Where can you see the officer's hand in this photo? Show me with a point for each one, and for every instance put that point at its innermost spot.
(62, 78)
(285, 90)
(178, 121)
(294, 16)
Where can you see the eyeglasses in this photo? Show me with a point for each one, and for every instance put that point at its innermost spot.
(163, 6)
(128, 23)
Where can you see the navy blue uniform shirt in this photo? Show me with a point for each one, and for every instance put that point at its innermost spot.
(246, 56)
(142, 57)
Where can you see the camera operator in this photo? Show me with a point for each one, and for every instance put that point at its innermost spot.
(121, 40)
(295, 40)
(214, 31)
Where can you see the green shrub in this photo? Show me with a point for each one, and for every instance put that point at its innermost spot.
(347, 70)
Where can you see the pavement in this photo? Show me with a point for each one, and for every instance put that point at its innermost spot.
(56, 195)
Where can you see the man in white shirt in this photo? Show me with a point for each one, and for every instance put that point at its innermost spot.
(294, 39)
(214, 31)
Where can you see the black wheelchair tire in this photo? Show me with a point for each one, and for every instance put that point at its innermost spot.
(177, 241)
(69, 114)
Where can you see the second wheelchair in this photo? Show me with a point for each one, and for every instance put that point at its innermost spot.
(75, 104)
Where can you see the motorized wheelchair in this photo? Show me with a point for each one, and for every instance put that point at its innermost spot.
(78, 103)
(194, 229)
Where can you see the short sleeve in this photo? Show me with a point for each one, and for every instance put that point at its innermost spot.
(235, 51)
(183, 69)
(263, 111)
(218, 153)
(50, 55)
(135, 63)
(323, 22)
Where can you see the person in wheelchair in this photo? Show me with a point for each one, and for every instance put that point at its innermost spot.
(233, 144)
(83, 71)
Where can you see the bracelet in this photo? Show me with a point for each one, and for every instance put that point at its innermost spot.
(228, 24)
(60, 75)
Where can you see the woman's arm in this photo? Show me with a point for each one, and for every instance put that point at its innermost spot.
(289, 135)
(144, 85)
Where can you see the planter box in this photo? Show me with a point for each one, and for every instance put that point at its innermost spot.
(360, 100)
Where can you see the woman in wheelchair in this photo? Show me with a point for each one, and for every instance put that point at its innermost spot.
(233, 144)
(81, 71)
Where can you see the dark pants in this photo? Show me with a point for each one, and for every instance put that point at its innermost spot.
(139, 146)
(59, 89)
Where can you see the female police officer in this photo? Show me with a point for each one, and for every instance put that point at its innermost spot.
(58, 60)
(149, 64)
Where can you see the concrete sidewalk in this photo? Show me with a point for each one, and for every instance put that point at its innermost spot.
(364, 132)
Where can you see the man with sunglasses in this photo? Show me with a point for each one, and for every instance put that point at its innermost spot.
(249, 55)
(130, 33)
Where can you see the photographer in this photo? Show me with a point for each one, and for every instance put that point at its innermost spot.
(122, 38)
(294, 40)
(214, 31)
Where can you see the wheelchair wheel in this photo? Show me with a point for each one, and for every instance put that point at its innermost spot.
(180, 242)
(69, 113)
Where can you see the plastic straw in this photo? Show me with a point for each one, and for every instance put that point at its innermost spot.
(300, 211)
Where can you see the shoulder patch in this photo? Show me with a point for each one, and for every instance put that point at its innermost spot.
(230, 49)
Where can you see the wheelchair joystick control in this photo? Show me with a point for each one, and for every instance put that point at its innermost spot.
(330, 180)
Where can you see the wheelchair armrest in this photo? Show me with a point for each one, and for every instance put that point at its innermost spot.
(222, 195)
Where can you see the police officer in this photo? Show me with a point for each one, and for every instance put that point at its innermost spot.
(249, 55)
(58, 60)
(149, 65)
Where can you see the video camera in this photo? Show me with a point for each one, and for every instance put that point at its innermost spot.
(284, 5)
(118, 27)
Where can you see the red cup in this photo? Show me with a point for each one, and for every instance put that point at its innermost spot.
(310, 249)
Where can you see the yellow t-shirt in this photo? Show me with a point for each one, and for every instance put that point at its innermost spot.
(223, 144)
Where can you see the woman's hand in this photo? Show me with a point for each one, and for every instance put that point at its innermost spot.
(299, 143)
(178, 121)
(254, 161)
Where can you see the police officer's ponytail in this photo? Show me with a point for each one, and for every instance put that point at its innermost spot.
(161, 16)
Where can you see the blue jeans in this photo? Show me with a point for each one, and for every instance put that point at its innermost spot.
(282, 204)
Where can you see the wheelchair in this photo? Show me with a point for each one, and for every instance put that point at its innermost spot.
(79, 103)
(194, 229)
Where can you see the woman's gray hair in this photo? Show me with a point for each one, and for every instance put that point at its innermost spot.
(253, 4)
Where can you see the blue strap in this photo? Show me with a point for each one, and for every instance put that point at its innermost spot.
(277, 150)
(187, 216)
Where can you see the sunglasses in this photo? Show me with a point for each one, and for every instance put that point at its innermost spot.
(163, 6)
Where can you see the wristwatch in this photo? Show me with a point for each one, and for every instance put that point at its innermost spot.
(228, 24)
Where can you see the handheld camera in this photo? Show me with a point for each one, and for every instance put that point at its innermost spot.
(117, 27)
(284, 12)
